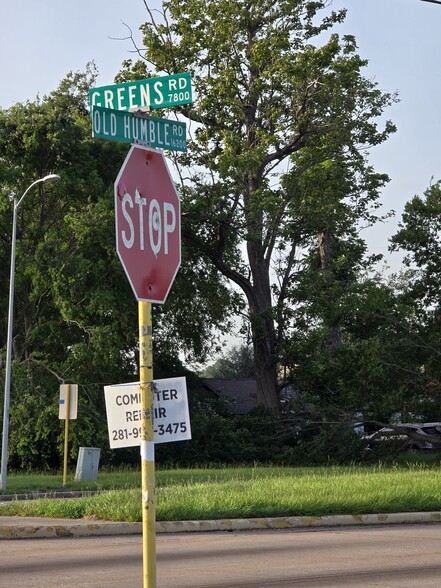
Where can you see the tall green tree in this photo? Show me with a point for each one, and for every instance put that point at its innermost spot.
(386, 366)
(418, 236)
(278, 94)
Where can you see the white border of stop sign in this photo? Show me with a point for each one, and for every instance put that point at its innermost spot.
(147, 222)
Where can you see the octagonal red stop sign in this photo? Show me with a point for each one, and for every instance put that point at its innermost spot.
(148, 223)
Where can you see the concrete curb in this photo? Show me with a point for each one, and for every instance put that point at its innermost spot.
(50, 494)
(27, 528)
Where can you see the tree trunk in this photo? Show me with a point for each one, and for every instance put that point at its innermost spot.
(266, 375)
(263, 330)
(333, 339)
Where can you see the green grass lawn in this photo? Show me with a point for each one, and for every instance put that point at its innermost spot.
(246, 492)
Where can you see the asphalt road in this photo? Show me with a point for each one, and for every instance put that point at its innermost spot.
(397, 556)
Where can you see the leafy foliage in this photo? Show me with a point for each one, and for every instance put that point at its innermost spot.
(275, 188)
(237, 362)
(75, 316)
(418, 235)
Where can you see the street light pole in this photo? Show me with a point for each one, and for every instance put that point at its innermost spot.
(5, 437)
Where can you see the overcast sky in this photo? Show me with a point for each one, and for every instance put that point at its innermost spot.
(42, 41)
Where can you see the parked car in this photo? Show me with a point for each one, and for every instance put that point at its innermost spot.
(408, 436)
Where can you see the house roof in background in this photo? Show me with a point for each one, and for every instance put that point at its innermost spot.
(240, 395)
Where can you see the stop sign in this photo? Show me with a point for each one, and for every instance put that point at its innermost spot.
(148, 223)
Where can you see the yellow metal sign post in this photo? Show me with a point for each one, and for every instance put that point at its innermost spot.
(147, 445)
(68, 407)
(66, 433)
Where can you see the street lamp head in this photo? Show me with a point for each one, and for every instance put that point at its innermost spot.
(51, 178)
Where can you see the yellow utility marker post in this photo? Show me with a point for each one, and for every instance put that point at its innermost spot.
(68, 408)
(66, 433)
(147, 445)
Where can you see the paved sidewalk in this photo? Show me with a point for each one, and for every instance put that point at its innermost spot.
(29, 527)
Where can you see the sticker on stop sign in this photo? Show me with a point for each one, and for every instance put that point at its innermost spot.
(148, 224)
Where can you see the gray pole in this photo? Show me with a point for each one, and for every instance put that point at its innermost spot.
(5, 435)
(4, 459)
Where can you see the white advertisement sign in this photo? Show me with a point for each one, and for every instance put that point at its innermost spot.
(171, 419)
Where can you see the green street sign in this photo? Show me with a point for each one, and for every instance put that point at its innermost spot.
(152, 93)
(139, 128)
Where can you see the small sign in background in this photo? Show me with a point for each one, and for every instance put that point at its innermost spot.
(73, 401)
